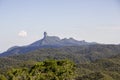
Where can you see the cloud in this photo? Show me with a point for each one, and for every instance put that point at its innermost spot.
(22, 33)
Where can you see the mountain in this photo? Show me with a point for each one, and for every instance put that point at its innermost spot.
(56, 41)
(45, 42)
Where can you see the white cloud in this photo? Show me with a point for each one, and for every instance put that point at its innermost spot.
(22, 33)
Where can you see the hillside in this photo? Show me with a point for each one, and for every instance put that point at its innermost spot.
(93, 62)
(103, 69)
(78, 54)
(109, 69)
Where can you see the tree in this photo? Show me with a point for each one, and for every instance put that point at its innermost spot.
(46, 70)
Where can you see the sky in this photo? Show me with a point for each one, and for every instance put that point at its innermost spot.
(24, 21)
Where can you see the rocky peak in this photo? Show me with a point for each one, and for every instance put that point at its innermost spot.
(45, 34)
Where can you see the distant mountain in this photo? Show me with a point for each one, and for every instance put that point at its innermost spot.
(46, 42)
(56, 41)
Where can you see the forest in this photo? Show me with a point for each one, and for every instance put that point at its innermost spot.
(67, 63)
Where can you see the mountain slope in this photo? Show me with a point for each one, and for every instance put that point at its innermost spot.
(45, 42)
(79, 54)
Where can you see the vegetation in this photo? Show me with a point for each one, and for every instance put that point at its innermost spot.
(91, 63)
(78, 54)
(46, 70)
(104, 69)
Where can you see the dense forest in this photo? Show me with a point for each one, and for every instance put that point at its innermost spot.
(96, 62)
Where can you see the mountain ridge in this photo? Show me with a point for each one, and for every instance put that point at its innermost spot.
(45, 42)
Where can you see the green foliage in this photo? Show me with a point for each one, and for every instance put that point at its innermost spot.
(46, 70)
(2, 77)
(100, 62)
(109, 68)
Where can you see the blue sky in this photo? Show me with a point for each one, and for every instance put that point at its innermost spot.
(90, 20)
